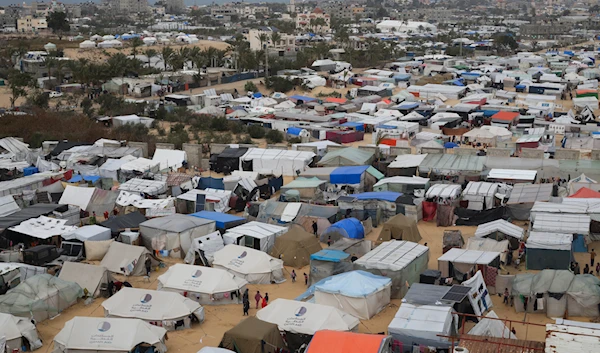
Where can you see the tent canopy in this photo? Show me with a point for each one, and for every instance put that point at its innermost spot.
(108, 334)
(348, 156)
(87, 276)
(314, 317)
(295, 247)
(392, 255)
(499, 225)
(248, 337)
(200, 279)
(356, 284)
(400, 227)
(347, 228)
(149, 305)
(253, 265)
(223, 220)
(586, 193)
(327, 341)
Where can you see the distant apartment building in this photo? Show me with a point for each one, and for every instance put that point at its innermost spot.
(315, 21)
(544, 31)
(287, 42)
(133, 6)
(222, 11)
(175, 6)
(251, 10)
(30, 24)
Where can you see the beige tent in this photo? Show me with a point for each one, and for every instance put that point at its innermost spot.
(16, 330)
(400, 227)
(295, 247)
(90, 277)
(248, 337)
(127, 259)
(93, 334)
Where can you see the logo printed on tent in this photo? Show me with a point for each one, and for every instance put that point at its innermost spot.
(301, 311)
(104, 326)
(146, 298)
(243, 255)
(196, 274)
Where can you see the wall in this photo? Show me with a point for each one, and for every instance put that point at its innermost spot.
(499, 152)
(432, 150)
(194, 154)
(142, 145)
(532, 153)
(563, 153)
(164, 146)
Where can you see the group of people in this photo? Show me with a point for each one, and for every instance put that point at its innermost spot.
(588, 269)
(263, 301)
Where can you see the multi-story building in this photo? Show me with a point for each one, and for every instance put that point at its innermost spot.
(286, 43)
(174, 6)
(315, 21)
(344, 11)
(251, 10)
(222, 11)
(544, 31)
(133, 6)
(30, 24)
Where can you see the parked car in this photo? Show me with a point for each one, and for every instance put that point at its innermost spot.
(55, 94)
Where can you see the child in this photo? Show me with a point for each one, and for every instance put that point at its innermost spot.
(293, 275)
(598, 269)
(506, 295)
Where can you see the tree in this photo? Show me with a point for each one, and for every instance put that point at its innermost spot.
(274, 136)
(256, 132)
(18, 82)
(58, 23)
(250, 87)
(136, 42)
(166, 54)
(275, 38)
(150, 53)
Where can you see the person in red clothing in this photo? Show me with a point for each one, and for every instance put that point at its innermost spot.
(265, 300)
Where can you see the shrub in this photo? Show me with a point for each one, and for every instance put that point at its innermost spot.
(245, 140)
(295, 140)
(250, 86)
(219, 124)
(274, 136)
(256, 132)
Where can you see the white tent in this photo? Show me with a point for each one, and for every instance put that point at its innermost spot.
(446, 191)
(422, 325)
(141, 165)
(93, 334)
(88, 233)
(205, 247)
(480, 195)
(464, 260)
(306, 318)
(320, 146)
(277, 162)
(252, 265)
(255, 235)
(174, 233)
(43, 227)
(17, 329)
(110, 168)
(149, 187)
(490, 230)
(217, 199)
(77, 196)
(359, 293)
(206, 285)
(169, 159)
(8, 205)
(488, 327)
(127, 259)
(152, 306)
(90, 277)
(87, 44)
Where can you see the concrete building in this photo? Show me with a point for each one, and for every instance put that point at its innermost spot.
(222, 11)
(287, 42)
(544, 31)
(30, 24)
(291, 7)
(406, 26)
(133, 6)
(175, 6)
(315, 21)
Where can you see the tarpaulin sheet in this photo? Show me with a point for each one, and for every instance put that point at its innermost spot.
(211, 183)
(468, 217)
(347, 175)
(429, 210)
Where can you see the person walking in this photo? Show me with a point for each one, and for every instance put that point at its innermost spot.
(305, 279)
(329, 240)
(315, 228)
(592, 257)
(257, 297)
(293, 275)
(598, 269)
(148, 264)
(246, 296)
(586, 269)
(506, 295)
(265, 300)
(246, 302)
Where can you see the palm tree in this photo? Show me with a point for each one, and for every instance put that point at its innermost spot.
(263, 38)
(166, 54)
(136, 42)
(150, 53)
(275, 39)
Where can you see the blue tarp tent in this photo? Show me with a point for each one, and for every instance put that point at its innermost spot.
(378, 195)
(355, 125)
(223, 220)
(450, 145)
(330, 255)
(302, 98)
(78, 178)
(292, 130)
(30, 171)
(347, 175)
(257, 95)
(211, 183)
(347, 228)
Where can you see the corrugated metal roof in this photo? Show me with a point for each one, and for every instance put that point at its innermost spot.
(499, 225)
(529, 193)
(551, 207)
(392, 255)
(480, 188)
(562, 223)
(512, 174)
(469, 256)
(569, 337)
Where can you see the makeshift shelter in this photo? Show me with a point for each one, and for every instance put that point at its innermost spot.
(254, 266)
(484, 244)
(159, 308)
(169, 159)
(127, 259)
(350, 228)
(408, 185)
(523, 196)
(174, 233)
(93, 334)
(89, 233)
(228, 160)
(255, 235)
(549, 251)
(400, 227)
(40, 297)
(452, 164)
(141, 165)
(89, 199)
(277, 162)
(402, 261)
(142, 186)
(490, 326)
(405, 164)
(359, 293)
(327, 341)
(119, 223)
(18, 332)
(42, 227)
(415, 325)
(328, 262)
(348, 156)
(457, 263)
(306, 188)
(501, 230)
(585, 193)
(301, 320)
(208, 199)
(91, 278)
(206, 285)
(480, 195)
(295, 247)
(253, 335)
(444, 191)
(223, 221)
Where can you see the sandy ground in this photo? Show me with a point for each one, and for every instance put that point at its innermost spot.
(221, 318)
(99, 54)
